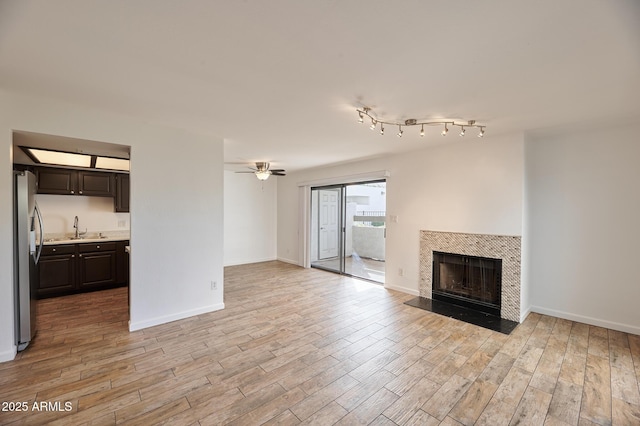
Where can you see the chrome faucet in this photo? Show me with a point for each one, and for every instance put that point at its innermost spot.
(78, 233)
(75, 225)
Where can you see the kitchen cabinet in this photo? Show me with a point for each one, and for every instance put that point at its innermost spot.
(122, 193)
(122, 263)
(75, 182)
(96, 264)
(57, 181)
(73, 268)
(97, 184)
(57, 270)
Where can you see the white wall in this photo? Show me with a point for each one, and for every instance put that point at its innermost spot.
(95, 214)
(176, 208)
(583, 227)
(463, 185)
(250, 224)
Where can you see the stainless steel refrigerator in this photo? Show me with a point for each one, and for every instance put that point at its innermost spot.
(27, 228)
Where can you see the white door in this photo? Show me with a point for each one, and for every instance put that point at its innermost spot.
(329, 222)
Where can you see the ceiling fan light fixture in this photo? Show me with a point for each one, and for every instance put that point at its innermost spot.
(262, 171)
(263, 174)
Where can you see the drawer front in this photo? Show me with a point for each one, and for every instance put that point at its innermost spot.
(96, 247)
(58, 249)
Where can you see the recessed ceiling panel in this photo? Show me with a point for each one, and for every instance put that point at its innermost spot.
(60, 158)
(112, 163)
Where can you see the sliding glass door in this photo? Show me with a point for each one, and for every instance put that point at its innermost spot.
(327, 242)
(348, 229)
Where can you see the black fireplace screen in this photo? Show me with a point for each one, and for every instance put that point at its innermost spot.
(475, 281)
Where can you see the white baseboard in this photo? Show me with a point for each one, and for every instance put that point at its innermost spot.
(525, 314)
(406, 290)
(285, 260)
(627, 328)
(139, 325)
(249, 261)
(9, 355)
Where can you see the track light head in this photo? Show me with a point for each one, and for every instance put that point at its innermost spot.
(462, 131)
(481, 134)
(422, 131)
(400, 132)
(445, 131)
(360, 117)
(382, 129)
(373, 124)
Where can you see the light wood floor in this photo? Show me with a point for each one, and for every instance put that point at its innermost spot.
(297, 346)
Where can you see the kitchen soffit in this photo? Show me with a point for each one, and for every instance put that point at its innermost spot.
(72, 159)
(44, 149)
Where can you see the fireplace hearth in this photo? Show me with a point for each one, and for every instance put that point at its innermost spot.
(471, 281)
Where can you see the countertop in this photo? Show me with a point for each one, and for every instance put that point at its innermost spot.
(63, 240)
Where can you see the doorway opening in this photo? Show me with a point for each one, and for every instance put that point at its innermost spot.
(348, 229)
(85, 210)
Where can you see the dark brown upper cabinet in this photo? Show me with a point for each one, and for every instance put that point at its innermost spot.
(75, 182)
(122, 193)
(57, 181)
(97, 184)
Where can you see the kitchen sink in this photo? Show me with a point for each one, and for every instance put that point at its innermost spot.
(78, 239)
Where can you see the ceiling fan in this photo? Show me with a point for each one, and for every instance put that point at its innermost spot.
(262, 171)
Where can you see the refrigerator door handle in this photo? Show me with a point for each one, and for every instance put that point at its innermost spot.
(37, 257)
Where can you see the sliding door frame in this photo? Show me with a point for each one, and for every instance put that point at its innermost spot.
(304, 206)
(342, 213)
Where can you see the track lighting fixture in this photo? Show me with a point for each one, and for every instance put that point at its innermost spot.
(366, 111)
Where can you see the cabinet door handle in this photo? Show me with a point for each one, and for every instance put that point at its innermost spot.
(79, 192)
(79, 255)
(72, 192)
(97, 247)
(53, 249)
(73, 255)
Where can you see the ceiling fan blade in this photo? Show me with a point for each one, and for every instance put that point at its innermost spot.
(245, 172)
(277, 174)
(278, 170)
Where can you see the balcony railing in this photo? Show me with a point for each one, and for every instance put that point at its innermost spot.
(370, 217)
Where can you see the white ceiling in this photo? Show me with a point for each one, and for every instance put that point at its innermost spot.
(279, 80)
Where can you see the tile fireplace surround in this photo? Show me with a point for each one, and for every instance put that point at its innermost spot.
(502, 247)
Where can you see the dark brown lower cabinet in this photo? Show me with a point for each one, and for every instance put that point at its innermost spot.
(122, 262)
(74, 268)
(57, 270)
(97, 264)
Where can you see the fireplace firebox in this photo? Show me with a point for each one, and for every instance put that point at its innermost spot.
(470, 281)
